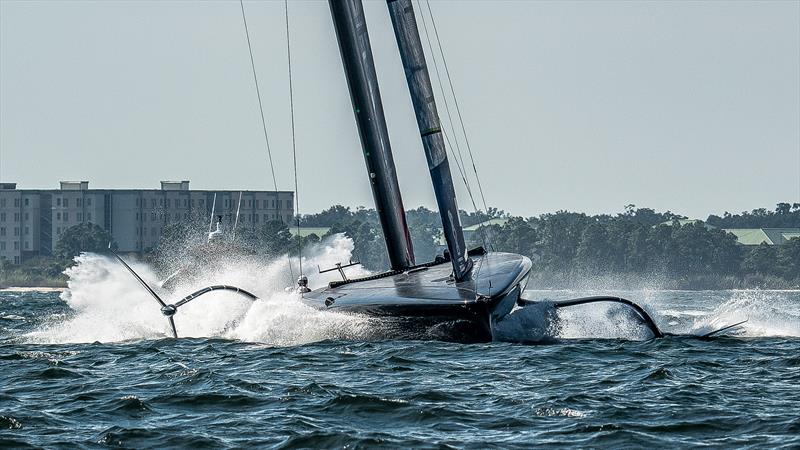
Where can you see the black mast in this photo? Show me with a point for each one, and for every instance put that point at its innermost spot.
(419, 83)
(359, 68)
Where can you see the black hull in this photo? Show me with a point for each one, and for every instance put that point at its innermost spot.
(426, 304)
(467, 324)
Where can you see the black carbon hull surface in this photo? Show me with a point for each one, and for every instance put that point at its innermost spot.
(425, 303)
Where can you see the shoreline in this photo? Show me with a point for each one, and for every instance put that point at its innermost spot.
(32, 289)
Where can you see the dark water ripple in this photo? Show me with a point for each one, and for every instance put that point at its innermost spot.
(213, 393)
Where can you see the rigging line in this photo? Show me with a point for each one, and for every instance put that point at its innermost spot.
(258, 94)
(448, 148)
(294, 140)
(482, 232)
(461, 171)
(459, 155)
(460, 118)
(446, 106)
(261, 111)
(455, 101)
(460, 165)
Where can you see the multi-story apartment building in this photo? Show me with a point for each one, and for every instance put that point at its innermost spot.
(31, 220)
(20, 222)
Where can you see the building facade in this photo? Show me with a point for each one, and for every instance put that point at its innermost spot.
(31, 220)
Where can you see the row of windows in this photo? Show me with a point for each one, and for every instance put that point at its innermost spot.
(78, 202)
(78, 216)
(254, 204)
(3, 203)
(253, 218)
(229, 204)
(16, 202)
(59, 216)
(59, 202)
(16, 246)
(141, 202)
(16, 217)
(155, 231)
(27, 231)
(160, 217)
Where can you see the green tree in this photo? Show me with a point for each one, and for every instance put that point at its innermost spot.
(697, 250)
(516, 236)
(788, 259)
(560, 235)
(274, 238)
(423, 224)
(593, 254)
(761, 260)
(334, 214)
(84, 237)
(785, 215)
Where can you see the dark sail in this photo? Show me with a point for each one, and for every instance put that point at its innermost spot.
(359, 67)
(419, 83)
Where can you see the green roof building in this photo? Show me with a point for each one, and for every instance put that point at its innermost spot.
(769, 236)
(307, 231)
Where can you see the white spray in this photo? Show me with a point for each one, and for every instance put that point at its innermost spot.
(109, 305)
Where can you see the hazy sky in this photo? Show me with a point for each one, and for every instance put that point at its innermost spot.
(587, 106)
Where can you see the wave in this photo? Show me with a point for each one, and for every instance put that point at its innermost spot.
(768, 314)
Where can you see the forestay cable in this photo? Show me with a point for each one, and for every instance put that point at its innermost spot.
(258, 94)
(458, 156)
(294, 140)
(264, 122)
(481, 231)
(455, 102)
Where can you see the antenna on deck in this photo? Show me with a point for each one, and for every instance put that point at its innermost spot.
(340, 267)
(213, 211)
(236, 222)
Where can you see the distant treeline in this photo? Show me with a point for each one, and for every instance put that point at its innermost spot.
(637, 243)
(47, 271)
(785, 215)
(567, 248)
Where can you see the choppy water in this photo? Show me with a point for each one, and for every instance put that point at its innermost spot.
(94, 368)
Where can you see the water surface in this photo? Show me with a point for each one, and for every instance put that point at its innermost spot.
(94, 369)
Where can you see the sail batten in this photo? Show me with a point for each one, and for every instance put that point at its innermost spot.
(419, 84)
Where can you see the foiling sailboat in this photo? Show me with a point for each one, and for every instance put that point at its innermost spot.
(463, 294)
